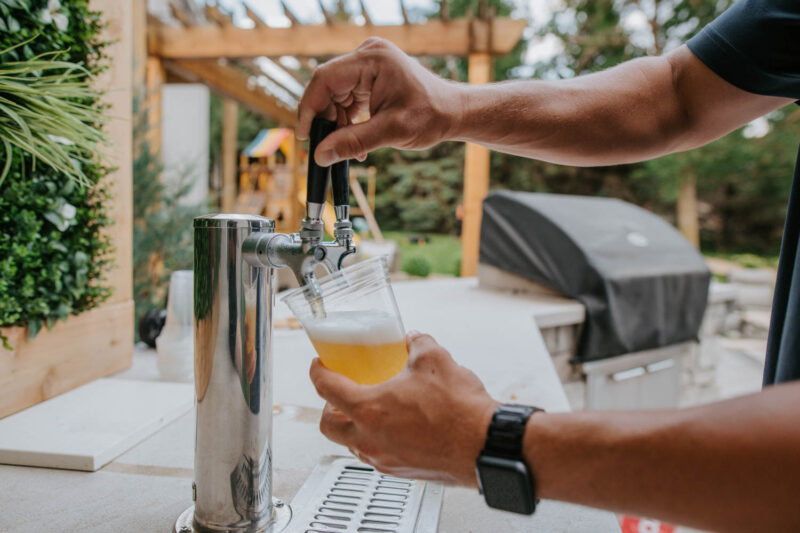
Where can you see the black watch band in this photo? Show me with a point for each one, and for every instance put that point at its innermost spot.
(504, 478)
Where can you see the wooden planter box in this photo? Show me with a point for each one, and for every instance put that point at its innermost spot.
(99, 342)
(86, 347)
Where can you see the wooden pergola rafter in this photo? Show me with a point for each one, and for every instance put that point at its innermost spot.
(216, 52)
(461, 37)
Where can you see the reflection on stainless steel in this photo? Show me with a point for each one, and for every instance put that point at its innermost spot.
(300, 252)
(235, 258)
(233, 375)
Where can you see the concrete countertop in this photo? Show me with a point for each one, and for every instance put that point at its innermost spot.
(146, 488)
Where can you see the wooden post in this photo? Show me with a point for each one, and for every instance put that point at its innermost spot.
(139, 49)
(476, 178)
(98, 342)
(372, 186)
(293, 214)
(230, 129)
(154, 77)
(116, 80)
(362, 202)
(688, 223)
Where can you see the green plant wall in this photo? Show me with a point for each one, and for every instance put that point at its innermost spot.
(53, 253)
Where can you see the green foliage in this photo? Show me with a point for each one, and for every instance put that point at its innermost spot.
(594, 37)
(442, 251)
(248, 126)
(457, 69)
(47, 273)
(748, 260)
(162, 223)
(53, 252)
(742, 183)
(419, 191)
(417, 266)
(41, 114)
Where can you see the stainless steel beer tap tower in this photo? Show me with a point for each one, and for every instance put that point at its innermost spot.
(234, 261)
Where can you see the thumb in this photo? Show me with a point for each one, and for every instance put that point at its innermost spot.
(355, 140)
(423, 350)
(338, 390)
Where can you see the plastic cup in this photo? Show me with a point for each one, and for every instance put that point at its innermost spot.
(175, 344)
(360, 334)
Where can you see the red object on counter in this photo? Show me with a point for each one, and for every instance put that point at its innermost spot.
(633, 524)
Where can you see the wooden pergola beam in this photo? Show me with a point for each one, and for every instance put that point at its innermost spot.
(181, 16)
(230, 82)
(365, 13)
(254, 17)
(328, 17)
(298, 75)
(230, 128)
(289, 14)
(459, 37)
(476, 178)
(403, 12)
(258, 71)
(214, 14)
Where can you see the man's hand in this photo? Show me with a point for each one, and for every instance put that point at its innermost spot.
(428, 422)
(408, 106)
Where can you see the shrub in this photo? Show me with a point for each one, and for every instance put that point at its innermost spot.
(417, 266)
(52, 248)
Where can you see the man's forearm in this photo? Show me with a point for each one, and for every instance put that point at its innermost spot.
(621, 115)
(729, 466)
(638, 110)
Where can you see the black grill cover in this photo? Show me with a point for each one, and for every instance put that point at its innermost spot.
(642, 283)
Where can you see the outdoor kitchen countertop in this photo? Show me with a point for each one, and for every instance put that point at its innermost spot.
(146, 488)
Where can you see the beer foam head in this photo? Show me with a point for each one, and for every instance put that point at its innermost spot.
(355, 327)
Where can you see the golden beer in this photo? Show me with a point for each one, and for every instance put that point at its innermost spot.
(367, 364)
(368, 347)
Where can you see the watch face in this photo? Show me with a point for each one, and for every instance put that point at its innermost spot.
(506, 484)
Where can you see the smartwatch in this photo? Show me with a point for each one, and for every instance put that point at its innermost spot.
(503, 477)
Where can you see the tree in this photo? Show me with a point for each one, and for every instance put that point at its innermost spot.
(731, 177)
(419, 191)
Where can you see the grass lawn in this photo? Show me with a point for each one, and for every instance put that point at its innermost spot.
(747, 260)
(443, 252)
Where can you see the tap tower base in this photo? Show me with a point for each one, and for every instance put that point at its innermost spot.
(281, 516)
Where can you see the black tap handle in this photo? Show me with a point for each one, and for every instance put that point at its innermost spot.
(317, 175)
(340, 181)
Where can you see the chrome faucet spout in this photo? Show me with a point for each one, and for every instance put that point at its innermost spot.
(300, 252)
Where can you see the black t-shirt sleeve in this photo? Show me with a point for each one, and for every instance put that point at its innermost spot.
(755, 45)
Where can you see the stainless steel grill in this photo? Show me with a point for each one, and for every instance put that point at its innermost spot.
(346, 496)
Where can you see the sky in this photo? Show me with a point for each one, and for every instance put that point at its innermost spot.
(381, 12)
(537, 12)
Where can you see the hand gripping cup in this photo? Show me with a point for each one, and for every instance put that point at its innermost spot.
(359, 333)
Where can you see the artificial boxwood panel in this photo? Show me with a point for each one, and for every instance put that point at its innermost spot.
(52, 250)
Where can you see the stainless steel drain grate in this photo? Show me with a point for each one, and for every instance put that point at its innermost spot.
(346, 496)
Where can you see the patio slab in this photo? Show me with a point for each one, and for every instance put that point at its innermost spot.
(146, 488)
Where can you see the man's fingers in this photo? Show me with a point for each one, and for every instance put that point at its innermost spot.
(423, 349)
(339, 391)
(417, 342)
(344, 79)
(354, 140)
(337, 426)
